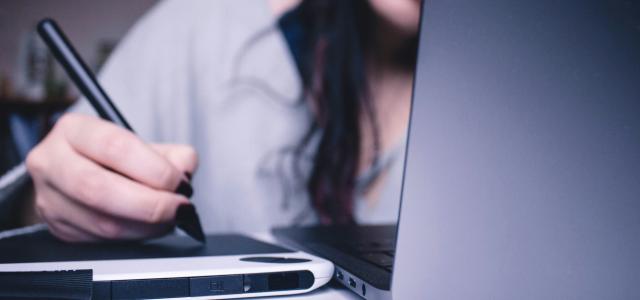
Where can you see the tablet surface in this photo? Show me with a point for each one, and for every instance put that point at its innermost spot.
(41, 246)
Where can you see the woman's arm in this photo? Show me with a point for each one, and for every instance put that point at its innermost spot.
(73, 182)
(16, 198)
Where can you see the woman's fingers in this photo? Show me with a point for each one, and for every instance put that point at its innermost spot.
(120, 150)
(183, 157)
(85, 193)
(91, 225)
(68, 233)
(113, 194)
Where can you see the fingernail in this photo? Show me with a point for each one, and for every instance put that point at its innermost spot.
(188, 174)
(185, 189)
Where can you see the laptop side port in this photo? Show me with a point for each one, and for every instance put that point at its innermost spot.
(352, 283)
(339, 275)
(364, 290)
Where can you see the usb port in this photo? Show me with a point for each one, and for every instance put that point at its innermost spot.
(339, 275)
(352, 282)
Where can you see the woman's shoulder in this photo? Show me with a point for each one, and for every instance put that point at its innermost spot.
(189, 14)
(187, 36)
(186, 53)
(173, 45)
(197, 30)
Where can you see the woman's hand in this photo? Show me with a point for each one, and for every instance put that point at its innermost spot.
(96, 181)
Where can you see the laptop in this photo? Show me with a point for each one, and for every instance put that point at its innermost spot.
(522, 174)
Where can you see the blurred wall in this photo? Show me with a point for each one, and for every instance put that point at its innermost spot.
(86, 22)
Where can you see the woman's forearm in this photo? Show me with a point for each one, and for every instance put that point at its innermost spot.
(16, 199)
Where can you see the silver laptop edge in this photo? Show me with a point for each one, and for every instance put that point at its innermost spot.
(522, 178)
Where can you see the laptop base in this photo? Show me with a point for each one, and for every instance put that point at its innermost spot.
(363, 255)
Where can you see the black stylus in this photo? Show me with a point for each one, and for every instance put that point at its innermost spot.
(186, 216)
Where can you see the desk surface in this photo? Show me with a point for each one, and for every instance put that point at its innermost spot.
(327, 292)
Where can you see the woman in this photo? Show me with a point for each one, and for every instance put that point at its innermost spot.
(298, 112)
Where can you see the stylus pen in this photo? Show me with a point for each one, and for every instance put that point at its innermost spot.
(186, 215)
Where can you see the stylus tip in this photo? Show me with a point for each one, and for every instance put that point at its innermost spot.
(187, 219)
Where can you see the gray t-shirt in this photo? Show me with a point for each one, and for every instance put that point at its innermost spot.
(218, 75)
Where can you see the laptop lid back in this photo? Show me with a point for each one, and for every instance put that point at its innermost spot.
(522, 178)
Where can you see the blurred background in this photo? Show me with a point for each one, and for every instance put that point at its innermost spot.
(33, 89)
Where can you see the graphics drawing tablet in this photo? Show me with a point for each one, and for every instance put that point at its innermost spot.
(226, 266)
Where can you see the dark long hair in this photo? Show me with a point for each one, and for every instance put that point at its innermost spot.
(329, 40)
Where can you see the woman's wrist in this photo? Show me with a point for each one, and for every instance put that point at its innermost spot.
(27, 209)
(16, 198)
